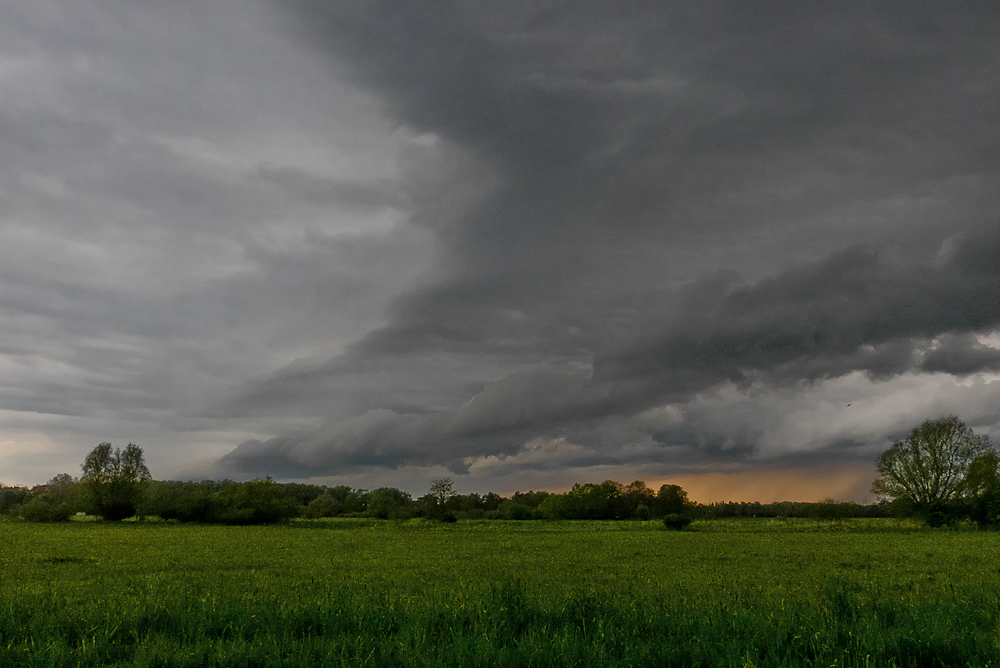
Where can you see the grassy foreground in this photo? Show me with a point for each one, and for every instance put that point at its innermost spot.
(367, 593)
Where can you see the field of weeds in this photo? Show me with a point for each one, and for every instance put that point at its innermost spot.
(383, 593)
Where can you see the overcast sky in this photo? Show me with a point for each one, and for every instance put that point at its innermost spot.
(742, 245)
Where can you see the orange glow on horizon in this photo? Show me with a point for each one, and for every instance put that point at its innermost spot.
(842, 483)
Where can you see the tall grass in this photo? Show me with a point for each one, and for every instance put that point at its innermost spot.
(405, 595)
(505, 626)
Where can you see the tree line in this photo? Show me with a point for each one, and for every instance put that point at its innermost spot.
(118, 490)
(116, 484)
(266, 501)
(941, 473)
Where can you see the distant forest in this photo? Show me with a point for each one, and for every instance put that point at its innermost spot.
(266, 501)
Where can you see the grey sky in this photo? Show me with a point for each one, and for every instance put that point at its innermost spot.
(522, 244)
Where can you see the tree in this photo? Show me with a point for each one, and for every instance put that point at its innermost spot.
(984, 473)
(324, 505)
(983, 482)
(590, 501)
(930, 468)
(55, 501)
(636, 500)
(442, 490)
(386, 502)
(62, 479)
(254, 502)
(115, 480)
(182, 501)
(671, 500)
(492, 501)
(12, 498)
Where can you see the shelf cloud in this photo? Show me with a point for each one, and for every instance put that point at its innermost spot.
(519, 241)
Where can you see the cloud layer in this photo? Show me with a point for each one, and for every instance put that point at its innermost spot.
(673, 200)
(363, 241)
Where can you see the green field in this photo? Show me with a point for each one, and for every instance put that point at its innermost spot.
(382, 593)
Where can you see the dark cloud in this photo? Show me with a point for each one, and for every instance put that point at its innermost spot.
(497, 421)
(960, 354)
(497, 238)
(636, 149)
(675, 198)
(849, 312)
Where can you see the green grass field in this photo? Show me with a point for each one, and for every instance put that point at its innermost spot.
(368, 593)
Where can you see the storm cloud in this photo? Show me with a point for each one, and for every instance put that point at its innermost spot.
(676, 199)
(361, 240)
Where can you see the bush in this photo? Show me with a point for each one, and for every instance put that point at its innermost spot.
(114, 500)
(941, 513)
(44, 509)
(182, 501)
(11, 499)
(55, 501)
(985, 509)
(676, 521)
(387, 503)
(509, 510)
(255, 502)
(324, 505)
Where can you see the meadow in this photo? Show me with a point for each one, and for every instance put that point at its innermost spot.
(766, 592)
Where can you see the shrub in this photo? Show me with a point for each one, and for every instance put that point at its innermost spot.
(985, 510)
(41, 508)
(181, 501)
(387, 503)
(509, 510)
(941, 513)
(255, 502)
(324, 505)
(11, 498)
(55, 501)
(676, 521)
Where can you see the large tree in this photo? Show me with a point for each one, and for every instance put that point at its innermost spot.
(930, 467)
(114, 480)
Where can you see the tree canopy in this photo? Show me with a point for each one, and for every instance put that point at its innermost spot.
(114, 480)
(442, 490)
(105, 465)
(931, 466)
